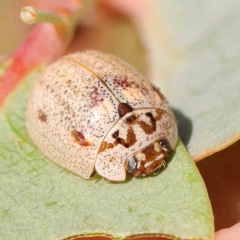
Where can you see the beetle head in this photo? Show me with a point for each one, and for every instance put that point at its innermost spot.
(149, 160)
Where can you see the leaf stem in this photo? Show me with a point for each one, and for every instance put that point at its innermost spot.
(30, 15)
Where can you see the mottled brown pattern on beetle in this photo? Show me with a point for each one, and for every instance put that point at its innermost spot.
(152, 120)
(159, 115)
(42, 116)
(105, 146)
(80, 138)
(124, 83)
(146, 127)
(123, 109)
(96, 97)
(131, 139)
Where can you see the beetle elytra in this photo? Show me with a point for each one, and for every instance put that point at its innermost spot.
(90, 111)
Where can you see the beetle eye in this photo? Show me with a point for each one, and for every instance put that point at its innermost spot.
(132, 165)
(164, 143)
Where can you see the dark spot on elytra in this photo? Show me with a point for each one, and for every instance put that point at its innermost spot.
(131, 119)
(121, 141)
(123, 109)
(80, 138)
(115, 134)
(42, 116)
(152, 120)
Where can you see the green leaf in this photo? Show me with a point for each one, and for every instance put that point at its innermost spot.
(194, 54)
(40, 200)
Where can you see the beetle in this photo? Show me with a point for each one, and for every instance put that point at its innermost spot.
(92, 112)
